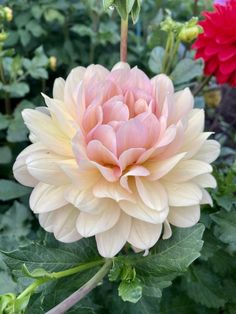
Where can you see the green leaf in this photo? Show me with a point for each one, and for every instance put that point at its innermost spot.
(121, 8)
(156, 60)
(135, 11)
(107, 4)
(52, 256)
(226, 226)
(15, 220)
(17, 89)
(129, 5)
(4, 121)
(52, 15)
(5, 155)
(172, 256)
(10, 190)
(186, 70)
(204, 287)
(24, 37)
(17, 131)
(130, 291)
(36, 273)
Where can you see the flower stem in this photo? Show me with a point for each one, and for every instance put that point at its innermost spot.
(83, 291)
(56, 275)
(123, 40)
(200, 87)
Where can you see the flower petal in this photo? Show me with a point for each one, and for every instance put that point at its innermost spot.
(58, 89)
(62, 223)
(209, 151)
(20, 170)
(152, 194)
(44, 167)
(46, 198)
(159, 169)
(103, 189)
(186, 170)
(144, 235)
(142, 212)
(206, 181)
(184, 216)
(110, 242)
(89, 225)
(182, 194)
(42, 126)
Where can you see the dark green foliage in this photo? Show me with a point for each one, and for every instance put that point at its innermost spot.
(80, 33)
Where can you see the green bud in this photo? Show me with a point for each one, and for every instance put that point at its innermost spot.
(8, 14)
(7, 302)
(3, 36)
(169, 25)
(189, 34)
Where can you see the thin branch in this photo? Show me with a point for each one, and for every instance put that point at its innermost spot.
(83, 291)
(123, 40)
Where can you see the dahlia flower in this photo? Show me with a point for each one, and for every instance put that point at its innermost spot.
(117, 156)
(216, 45)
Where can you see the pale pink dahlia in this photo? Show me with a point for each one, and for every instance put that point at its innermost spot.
(118, 156)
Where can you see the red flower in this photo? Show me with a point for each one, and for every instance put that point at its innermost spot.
(217, 44)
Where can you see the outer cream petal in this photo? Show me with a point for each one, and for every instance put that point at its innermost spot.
(84, 200)
(209, 151)
(58, 89)
(20, 170)
(46, 198)
(110, 242)
(195, 124)
(142, 212)
(162, 86)
(89, 225)
(187, 170)
(205, 181)
(47, 132)
(193, 147)
(184, 102)
(182, 194)
(152, 194)
(72, 85)
(159, 169)
(43, 166)
(184, 216)
(83, 175)
(121, 65)
(167, 230)
(144, 235)
(111, 190)
(61, 117)
(206, 198)
(62, 223)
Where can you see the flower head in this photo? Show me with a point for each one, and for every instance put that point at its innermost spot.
(216, 45)
(118, 156)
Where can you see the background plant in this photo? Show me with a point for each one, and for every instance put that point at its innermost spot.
(81, 32)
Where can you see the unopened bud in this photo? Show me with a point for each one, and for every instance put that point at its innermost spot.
(189, 34)
(3, 36)
(53, 63)
(8, 14)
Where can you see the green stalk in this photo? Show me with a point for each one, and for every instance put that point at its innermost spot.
(56, 275)
(123, 40)
(83, 291)
(168, 49)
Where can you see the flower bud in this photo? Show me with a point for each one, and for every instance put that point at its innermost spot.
(8, 14)
(213, 98)
(53, 63)
(3, 36)
(189, 34)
